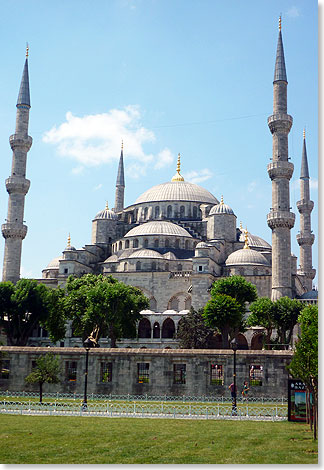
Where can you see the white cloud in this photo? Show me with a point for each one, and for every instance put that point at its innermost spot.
(252, 186)
(198, 176)
(293, 12)
(99, 186)
(92, 140)
(313, 183)
(164, 158)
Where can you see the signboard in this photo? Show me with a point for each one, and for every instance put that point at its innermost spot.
(297, 400)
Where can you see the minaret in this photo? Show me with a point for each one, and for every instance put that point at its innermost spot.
(120, 183)
(305, 237)
(14, 231)
(280, 171)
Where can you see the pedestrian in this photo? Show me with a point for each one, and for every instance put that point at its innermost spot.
(233, 390)
(245, 390)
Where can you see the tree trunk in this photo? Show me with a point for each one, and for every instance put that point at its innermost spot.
(225, 342)
(112, 337)
(40, 392)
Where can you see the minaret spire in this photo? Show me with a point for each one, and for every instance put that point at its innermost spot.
(120, 183)
(280, 171)
(305, 237)
(14, 231)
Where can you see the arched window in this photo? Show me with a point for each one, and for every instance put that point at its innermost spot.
(120, 246)
(187, 245)
(255, 271)
(127, 244)
(154, 266)
(125, 266)
(156, 243)
(167, 266)
(169, 211)
(130, 218)
(168, 328)
(157, 212)
(257, 341)
(174, 303)
(136, 215)
(113, 268)
(177, 243)
(138, 266)
(156, 330)
(241, 271)
(145, 243)
(135, 243)
(167, 242)
(179, 267)
(182, 211)
(241, 341)
(194, 212)
(144, 328)
(145, 213)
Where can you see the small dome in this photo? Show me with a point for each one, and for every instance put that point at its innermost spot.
(106, 214)
(169, 255)
(158, 228)
(55, 263)
(202, 245)
(221, 208)
(246, 256)
(112, 259)
(69, 247)
(146, 253)
(311, 295)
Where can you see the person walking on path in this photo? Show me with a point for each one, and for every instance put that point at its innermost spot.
(245, 391)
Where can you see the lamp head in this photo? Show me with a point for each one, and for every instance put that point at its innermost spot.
(234, 345)
(88, 344)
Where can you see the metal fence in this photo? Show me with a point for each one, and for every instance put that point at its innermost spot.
(145, 397)
(134, 409)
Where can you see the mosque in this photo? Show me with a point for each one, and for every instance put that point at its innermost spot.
(177, 238)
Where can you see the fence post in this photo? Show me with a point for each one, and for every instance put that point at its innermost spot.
(134, 408)
(206, 412)
(276, 411)
(247, 409)
(189, 410)
(174, 412)
(218, 409)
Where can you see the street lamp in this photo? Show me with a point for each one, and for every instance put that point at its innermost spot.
(87, 345)
(234, 348)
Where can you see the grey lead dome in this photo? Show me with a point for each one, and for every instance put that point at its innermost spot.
(158, 228)
(177, 191)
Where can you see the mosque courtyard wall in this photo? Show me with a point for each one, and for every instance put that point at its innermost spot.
(170, 372)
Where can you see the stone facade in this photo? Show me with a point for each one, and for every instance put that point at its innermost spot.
(169, 372)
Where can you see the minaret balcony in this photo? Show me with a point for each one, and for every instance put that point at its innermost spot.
(12, 230)
(20, 141)
(17, 185)
(305, 206)
(280, 122)
(281, 219)
(280, 169)
(304, 238)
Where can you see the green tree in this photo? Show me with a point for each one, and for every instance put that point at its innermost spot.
(304, 364)
(225, 314)
(23, 307)
(193, 332)
(262, 314)
(47, 370)
(237, 287)
(285, 316)
(101, 306)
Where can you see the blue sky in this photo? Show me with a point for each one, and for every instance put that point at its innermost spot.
(168, 76)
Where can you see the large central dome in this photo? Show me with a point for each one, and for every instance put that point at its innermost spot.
(177, 191)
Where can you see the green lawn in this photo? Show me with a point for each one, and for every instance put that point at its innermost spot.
(83, 440)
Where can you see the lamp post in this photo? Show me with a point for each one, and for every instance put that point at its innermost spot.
(87, 345)
(234, 348)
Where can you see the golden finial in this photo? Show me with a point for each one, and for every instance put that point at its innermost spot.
(222, 200)
(107, 208)
(246, 244)
(27, 50)
(304, 133)
(177, 176)
(69, 242)
(280, 23)
(122, 145)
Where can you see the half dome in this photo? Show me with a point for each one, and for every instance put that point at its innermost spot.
(55, 263)
(157, 227)
(177, 191)
(254, 241)
(246, 256)
(146, 253)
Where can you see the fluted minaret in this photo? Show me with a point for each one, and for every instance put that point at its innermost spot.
(120, 183)
(305, 237)
(14, 231)
(280, 171)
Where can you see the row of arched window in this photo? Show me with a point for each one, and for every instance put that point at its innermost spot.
(171, 212)
(166, 243)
